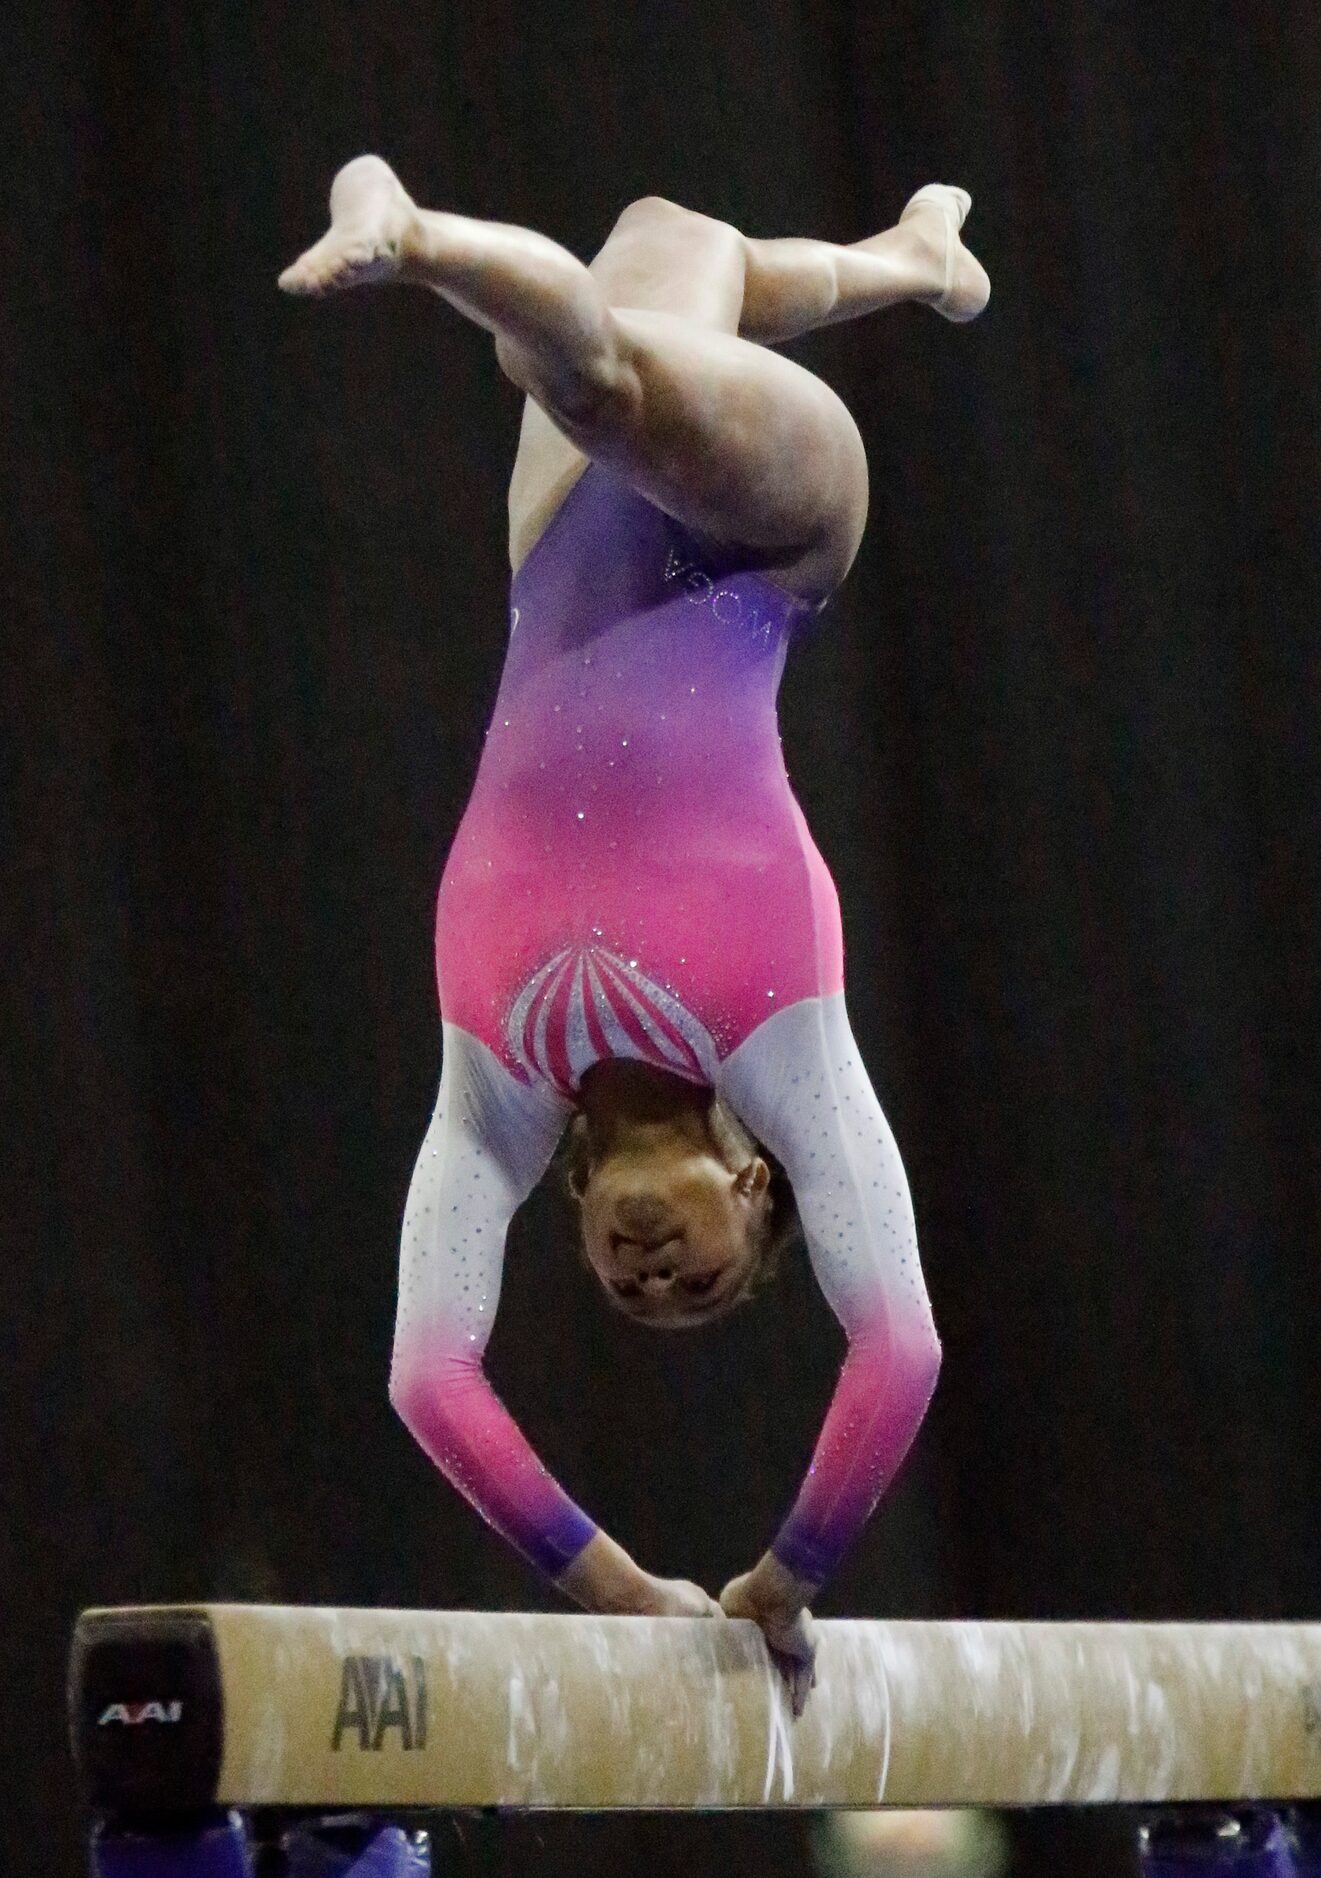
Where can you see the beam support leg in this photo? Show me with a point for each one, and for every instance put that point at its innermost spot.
(354, 1845)
(207, 1845)
(1215, 1842)
(221, 1845)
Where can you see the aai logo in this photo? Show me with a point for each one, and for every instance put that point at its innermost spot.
(135, 1714)
(377, 1695)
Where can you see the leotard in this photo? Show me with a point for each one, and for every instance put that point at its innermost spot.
(633, 877)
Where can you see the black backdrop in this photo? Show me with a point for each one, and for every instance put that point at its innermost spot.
(1058, 740)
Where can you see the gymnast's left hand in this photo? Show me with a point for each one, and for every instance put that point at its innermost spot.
(775, 1601)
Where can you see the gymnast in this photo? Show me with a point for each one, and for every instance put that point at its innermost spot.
(638, 945)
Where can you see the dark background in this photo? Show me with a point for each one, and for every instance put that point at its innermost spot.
(1057, 738)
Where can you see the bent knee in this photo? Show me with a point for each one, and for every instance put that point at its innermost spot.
(593, 391)
(651, 208)
(661, 212)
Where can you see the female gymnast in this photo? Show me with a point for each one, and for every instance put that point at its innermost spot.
(636, 938)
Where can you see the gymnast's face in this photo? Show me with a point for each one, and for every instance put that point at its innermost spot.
(671, 1230)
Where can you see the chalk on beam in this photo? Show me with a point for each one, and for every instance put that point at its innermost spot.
(256, 1705)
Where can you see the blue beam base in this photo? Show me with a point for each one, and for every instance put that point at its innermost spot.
(354, 1846)
(1216, 1842)
(223, 1845)
(216, 1846)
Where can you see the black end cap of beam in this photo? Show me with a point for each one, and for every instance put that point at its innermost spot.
(146, 1712)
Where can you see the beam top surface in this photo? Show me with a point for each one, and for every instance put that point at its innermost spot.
(272, 1705)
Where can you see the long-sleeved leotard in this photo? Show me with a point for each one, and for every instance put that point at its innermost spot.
(634, 877)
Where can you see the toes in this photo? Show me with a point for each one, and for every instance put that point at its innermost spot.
(309, 271)
(305, 277)
(297, 278)
(334, 263)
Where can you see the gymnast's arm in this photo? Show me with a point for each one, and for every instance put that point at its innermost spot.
(488, 1143)
(802, 1087)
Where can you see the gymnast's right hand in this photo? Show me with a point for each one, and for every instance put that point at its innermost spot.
(675, 1597)
(604, 1578)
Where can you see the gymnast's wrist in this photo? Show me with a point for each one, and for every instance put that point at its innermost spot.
(775, 1591)
(603, 1578)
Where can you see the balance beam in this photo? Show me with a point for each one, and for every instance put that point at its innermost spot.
(251, 1705)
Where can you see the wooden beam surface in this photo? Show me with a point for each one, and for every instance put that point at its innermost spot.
(258, 1705)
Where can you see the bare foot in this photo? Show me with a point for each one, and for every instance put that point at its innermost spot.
(371, 217)
(935, 215)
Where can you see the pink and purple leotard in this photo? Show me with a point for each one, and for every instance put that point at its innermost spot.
(634, 877)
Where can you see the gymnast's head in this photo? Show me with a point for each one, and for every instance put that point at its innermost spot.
(683, 1214)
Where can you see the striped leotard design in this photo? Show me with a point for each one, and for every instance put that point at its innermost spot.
(586, 1003)
(633, 877)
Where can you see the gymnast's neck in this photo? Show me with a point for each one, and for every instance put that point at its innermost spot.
(620, 1098)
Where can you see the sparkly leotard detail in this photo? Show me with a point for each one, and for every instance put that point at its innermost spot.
(634, 877)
